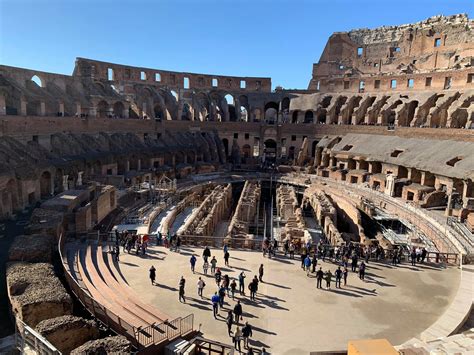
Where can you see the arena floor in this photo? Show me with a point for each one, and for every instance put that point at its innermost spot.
(291, 316)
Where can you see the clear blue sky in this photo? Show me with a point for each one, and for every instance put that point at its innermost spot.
(276, 38)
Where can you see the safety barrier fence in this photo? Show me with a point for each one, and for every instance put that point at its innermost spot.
(28, 341)
(140, 337)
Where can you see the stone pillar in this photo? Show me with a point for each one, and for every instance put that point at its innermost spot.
(173, 161)
(61, 108)
(79, 178)
(51, 181)
(42, 109)
(3, 105)
(144, 110)
(93, 111)
(126, 111)
(449, 209)
(390, 185)
(127, 166)
(65, 184)
(23, 104)
(466, 192)
(333, 161)
(237, 109)
(78, 110)
(139, 165)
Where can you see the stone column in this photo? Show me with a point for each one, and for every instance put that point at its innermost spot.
(23, 104)
(126, 111)
(466, 192)
(93, 111)
(390, 185)
(449, 209)
(79, 178)
(51, 181)
(61, 108)
(42, 109)
(78, 110)
(65, 184)
(139, 165)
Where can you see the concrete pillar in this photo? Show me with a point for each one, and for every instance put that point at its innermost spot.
(3, 105)
(390, 185)
(65, 184)
(79, 178)
(42, 109)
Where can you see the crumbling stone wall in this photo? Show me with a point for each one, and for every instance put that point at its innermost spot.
(36, 293)
(246, 210)
(68, 332)
(110, 345)
(33, 248)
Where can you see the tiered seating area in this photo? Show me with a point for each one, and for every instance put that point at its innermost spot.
(96, 280)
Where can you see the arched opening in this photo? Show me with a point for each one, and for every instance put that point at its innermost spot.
(102, 109)
(225, 142)
(230, 99)
(37, 80)
(322, 117)
(33, 108)
(271, 112)
(244, 115)
(45, 184)
(186, 114)
(270, 150)
(308, 117)
(158, 112)
(294, 116)
(119, 108)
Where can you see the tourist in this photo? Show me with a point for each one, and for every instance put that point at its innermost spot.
(260, 273)
(314, 262)
(178, 243)
(200, 284)
(182, 282)
(319, 278)
(394, 257)
(213, 264)
(362, 270)
(424, 253)
(159, 238)
(215, 304)
(205, 267)
(221, 296)
(226, 283)
(303, 258)
(229, 321)
(218, 276)
(242, 283)
(246, 334)
(226, 258)
(275, 247)
(152, 274)
(344, 275)
(206, 254)
(233, 287)
(338, 274)
(354, 262)
(328, 277)
(253, 287)
(117, 253)
(238, 312)
(237, 338)
(413, 257)
(292, 251)
(307, 264)
(286, 246)
(225, 248)
(192, 261)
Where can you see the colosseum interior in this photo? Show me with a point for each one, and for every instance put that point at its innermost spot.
(374, 159)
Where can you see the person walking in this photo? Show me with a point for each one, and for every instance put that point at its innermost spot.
(233, 287)
(205, 267)
(237, 338)
(286, 246)
(178, 243)
(226, 258)
(345, 272)
(413, 257)
(213, 264)
(229, 321)
(215, 304)
(246, 334)
(218, 276)
(206, 254)
(152, 274)
(354, 262)
(221, 296)
(192, 261)
(182, 283)
(319, 278)
(362, 270)
(238, 312)
(200, 284)
(260, 273)
(292, 251)
(242, 283)
(314, 262)
(307, 264)
(338, 274)
(328, 277)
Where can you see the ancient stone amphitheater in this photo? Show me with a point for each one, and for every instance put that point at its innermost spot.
(377, 153)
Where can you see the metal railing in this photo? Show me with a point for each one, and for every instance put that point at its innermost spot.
(140, 337)
(27, 340)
